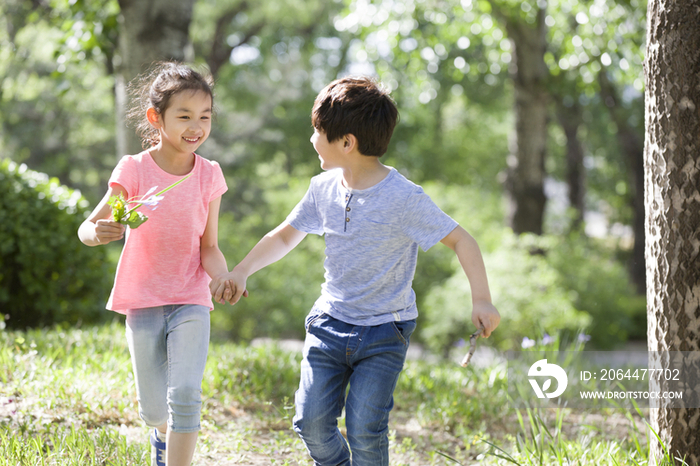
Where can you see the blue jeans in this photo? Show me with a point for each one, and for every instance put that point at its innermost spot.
(168, 347)
(370, 360)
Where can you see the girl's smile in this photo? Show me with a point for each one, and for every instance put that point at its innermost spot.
(185, 124)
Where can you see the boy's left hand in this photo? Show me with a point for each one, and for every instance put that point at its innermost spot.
(486, 316)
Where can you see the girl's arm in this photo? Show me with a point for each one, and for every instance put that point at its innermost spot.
(271, 248)
(98, 228)
(484, 313)
(213, 260)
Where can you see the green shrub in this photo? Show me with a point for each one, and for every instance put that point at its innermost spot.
(526, 290)
(46, 274)
(542, 285)
(602, 289)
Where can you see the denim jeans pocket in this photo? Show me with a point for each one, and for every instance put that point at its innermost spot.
(404, 329)
(313, 316)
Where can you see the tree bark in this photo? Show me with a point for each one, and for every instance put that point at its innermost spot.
(672, 199)
(525, 182)
(151, 30)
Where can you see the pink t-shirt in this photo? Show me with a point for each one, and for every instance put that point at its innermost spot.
(160, 263)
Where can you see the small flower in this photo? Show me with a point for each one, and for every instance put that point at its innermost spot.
(583, 338)
(119, 204)
(148, 199)
(151, 202)
(461, 343)
(150, 191)
(527, 343)
(547, 339)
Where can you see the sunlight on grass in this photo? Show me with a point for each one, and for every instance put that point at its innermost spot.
(67, 397)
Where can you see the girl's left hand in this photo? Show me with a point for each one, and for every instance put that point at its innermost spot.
(107, 231)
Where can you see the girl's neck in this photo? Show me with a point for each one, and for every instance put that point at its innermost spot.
(175, 163)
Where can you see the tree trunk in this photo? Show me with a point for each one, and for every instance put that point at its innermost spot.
(525, 183)
(151, 30)
(672, 199)
(570, 120)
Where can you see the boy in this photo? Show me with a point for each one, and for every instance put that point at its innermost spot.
(374, 220)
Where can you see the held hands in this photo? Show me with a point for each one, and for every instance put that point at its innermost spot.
(229, 287)
(486, 316)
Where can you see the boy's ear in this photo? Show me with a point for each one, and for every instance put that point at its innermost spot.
(349, 142)
(153, 117)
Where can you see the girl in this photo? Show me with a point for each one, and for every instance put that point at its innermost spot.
(162, 280)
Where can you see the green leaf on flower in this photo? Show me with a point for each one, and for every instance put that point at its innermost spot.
(135, 219)
(131, 218)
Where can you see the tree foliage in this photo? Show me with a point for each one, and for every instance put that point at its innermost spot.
(56, 94)
(449, 67)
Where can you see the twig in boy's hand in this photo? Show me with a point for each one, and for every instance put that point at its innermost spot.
(472, 346)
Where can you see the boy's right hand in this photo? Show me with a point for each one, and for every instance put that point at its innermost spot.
(107, 231)
(485, 316)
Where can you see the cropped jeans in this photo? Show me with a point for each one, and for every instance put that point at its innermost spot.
(168, 347)
(367, 358)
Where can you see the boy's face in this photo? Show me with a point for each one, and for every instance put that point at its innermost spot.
(330, 154)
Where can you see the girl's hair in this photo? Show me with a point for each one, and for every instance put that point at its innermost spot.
(155, 88)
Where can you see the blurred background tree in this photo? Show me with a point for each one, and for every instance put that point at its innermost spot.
(518, 117)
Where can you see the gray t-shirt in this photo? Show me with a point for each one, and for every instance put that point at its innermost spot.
(372, 240)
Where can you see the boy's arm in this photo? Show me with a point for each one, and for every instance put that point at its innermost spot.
(484, 313)
(98, 228)
(271, 248)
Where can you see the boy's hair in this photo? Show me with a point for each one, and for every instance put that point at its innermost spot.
(357, 106)
(155, 89)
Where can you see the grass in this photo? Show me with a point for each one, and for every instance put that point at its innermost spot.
(67, 397)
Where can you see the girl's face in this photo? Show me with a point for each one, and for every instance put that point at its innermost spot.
(186, 123)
